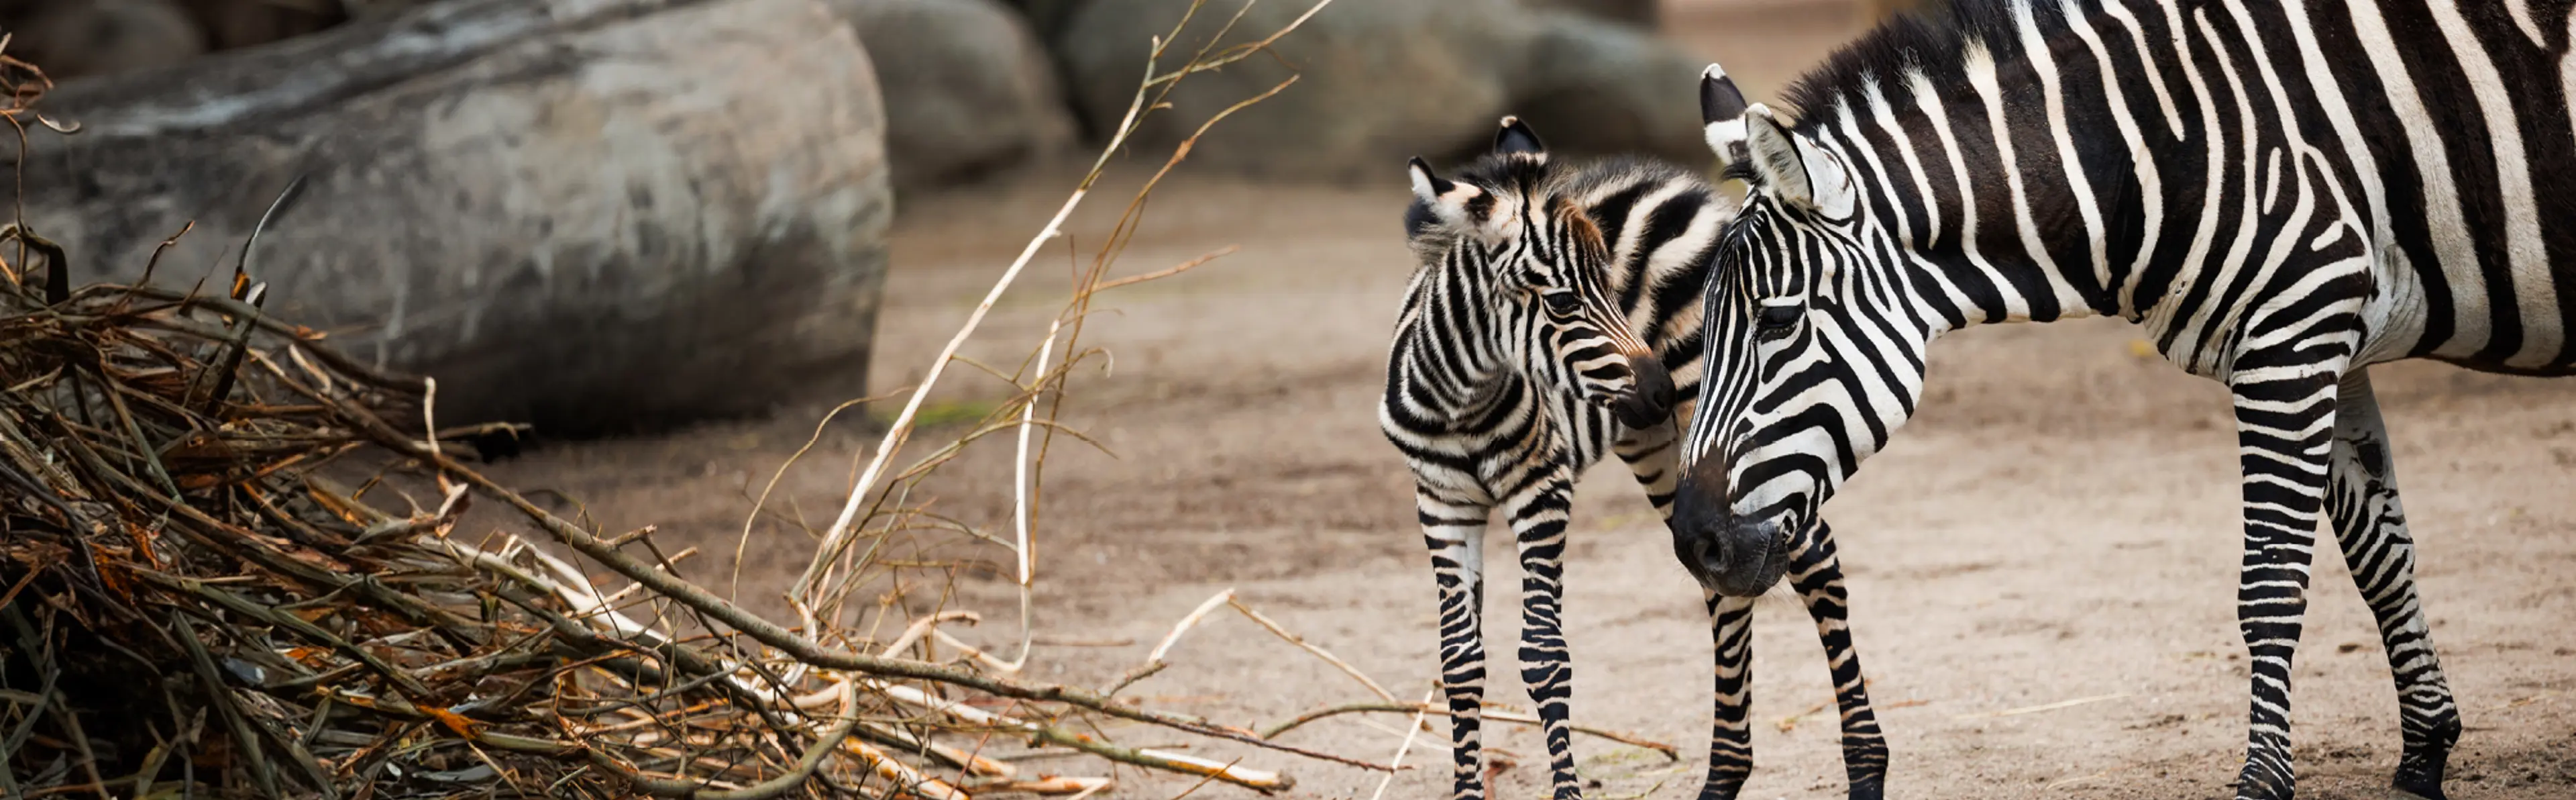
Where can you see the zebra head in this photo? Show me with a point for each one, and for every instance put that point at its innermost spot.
(1520, 267)
(1794, 394)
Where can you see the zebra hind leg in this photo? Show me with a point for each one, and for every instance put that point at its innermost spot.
(2371, 526)
(1539, 519)
(1455, 532)
(1817, 573)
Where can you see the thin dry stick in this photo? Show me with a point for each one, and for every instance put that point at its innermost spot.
(1188, 622)
(1020, 491)
(733, 588)
(2013, 712)
(1410, 731)
(836, 538)
(1154, 661)
(1319, 652)
(1160, 274)
(1494, 714)
(797, 646)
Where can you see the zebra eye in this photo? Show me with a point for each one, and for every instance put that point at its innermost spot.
(1776, 320)
(1562, 302)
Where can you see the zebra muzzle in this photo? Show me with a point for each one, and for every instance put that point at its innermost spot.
(1734, 557)
(1650, 397)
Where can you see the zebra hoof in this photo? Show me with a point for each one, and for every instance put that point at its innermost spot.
(1871, 790)
(2429, 792)
(2419, 777)
(1722, 789)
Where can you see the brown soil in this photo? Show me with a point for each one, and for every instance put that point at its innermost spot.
(2059, 523)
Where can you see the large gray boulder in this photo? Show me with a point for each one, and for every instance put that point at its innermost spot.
(1640, 13)
(593, 215)
(969, 89)
(103, 37)
(1384, 80)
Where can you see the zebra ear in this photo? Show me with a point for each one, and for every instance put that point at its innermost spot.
(1777, 162)
(1516, 137)
(1797, 171)
(1721, 114)
(1442, 198)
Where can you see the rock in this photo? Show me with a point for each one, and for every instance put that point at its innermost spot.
(1382, 81)
(378, 9)
(1591, 87)
(594, 215)
(1379, 81)
(249, 23)
(103, 37)
(1047, 16)
(968, 88)
(1640, 13)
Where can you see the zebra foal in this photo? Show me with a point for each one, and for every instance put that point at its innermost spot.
(2280, 193)
(1553, 316)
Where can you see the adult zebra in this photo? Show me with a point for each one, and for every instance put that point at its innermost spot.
(1553, 311)
(2282, 193)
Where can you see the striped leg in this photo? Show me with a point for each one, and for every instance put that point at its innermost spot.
(1455, 531)
(1538, 516)
(2285, 404)
(2371, 525)
(1817, 573)
(1651, 454)
(1730, 738)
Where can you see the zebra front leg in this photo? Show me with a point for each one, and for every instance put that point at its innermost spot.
(1817, 573)
(1455, 531)
(2371, 526)
(1650, 455)
(1538, 517)
(2285, 407)
(1730, 736)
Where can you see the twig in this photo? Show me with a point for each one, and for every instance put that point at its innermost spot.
(1309, 647)
(2013, 712)
(1410, 731)
(797, 646)
(1497, 715)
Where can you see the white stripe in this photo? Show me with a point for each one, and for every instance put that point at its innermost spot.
(2214, 312)
(2400, 289)
(2533, 292)
(2214, 155)
(2448, 230)
(1981, 77)
(2146, 56)
(2042, 60)
(2521, 11)
(2150, 184)
(2016, 307)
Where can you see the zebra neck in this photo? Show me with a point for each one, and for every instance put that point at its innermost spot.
(1448, 352)
(2033, 177)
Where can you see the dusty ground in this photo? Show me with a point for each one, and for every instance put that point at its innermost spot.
(2058, 524)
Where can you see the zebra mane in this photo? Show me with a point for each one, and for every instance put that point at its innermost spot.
(1935, 42)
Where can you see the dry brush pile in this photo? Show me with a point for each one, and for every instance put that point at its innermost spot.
(232, 564)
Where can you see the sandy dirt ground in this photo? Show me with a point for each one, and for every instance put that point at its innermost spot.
(2059, 524)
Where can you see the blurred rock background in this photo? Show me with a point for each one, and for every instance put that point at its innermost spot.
(608, 216)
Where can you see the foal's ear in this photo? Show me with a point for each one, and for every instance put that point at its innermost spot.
(1721, 114)
(1516, 137)
(1442, 199)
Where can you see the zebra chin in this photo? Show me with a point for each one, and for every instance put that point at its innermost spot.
(1728, 556)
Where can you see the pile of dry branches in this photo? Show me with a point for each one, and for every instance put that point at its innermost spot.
(230, 564)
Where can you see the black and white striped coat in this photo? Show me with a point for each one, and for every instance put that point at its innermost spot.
(2279, 193)
(1554, 317)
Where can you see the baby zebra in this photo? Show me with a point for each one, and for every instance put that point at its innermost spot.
(1555, 314)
